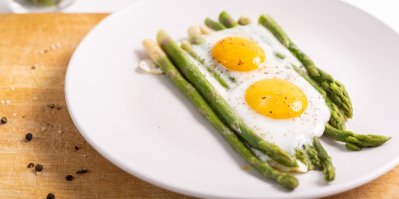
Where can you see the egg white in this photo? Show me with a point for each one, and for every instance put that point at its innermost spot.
(286, 133)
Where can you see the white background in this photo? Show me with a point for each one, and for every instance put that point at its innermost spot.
(385, 10)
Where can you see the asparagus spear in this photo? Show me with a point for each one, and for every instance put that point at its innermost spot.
(205, 30)
(159, 57)
(313, 157)
(335, 90)
(302, 156)
(243, 20)
(336, 126)
(337, 119)
(188, 48)
(226, 20)
(195, 35)
(214, 25)
(217, 102)
(355, 141)
(325, 160)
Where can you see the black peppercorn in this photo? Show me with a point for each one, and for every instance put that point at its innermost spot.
(77, 148)
(38, 168)
(69, 177)
(3, 120)
(28, 137)
(50, 196)
(30, 165)
(82, 171)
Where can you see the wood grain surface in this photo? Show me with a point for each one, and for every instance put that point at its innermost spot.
(34, 53)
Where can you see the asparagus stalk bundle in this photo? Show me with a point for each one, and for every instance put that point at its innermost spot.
(308, 156)
(334, 93)
(180, 64)
(190, 71)
(159, 57)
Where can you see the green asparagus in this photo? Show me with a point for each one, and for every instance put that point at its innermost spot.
(205, 30)
(195, 35)
(337, 119)
(313, 156)
(160, 58)
(226, 20)
(217, 102)
(325, 160)
(302, 156)
(243, 20)
(45, 2)
(335, 90)
(214, 25)
(355, 141)
(188, 48)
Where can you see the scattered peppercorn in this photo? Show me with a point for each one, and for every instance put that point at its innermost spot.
(30, 165)
(82, 171)
(53, 106)
(50, 196)
(38, 168)
(28, 137)
(3, 120)
(76, 148)
(69, 177)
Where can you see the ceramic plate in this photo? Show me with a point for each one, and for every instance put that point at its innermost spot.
(144, 125)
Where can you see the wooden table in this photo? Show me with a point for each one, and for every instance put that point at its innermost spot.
(34, 53)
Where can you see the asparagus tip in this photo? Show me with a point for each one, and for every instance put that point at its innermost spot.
(290, 182)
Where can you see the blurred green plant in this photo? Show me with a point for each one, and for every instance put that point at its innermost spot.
(44, 2)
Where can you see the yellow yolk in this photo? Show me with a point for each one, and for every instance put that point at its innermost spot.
(238, 54)
(276, 98)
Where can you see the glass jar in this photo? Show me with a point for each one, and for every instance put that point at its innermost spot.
(27, 6)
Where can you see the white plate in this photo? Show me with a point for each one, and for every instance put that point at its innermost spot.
(144, 125)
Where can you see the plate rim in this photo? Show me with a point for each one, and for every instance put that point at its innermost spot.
(327, 191)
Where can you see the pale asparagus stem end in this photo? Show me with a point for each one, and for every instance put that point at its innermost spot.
(205, 30)
(161, 36)
(243, 20)
(153, 50)
(195, 35)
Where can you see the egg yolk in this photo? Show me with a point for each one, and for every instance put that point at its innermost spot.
(276, 98)
(238, 54)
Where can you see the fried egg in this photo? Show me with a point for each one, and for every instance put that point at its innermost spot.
(264, 90)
